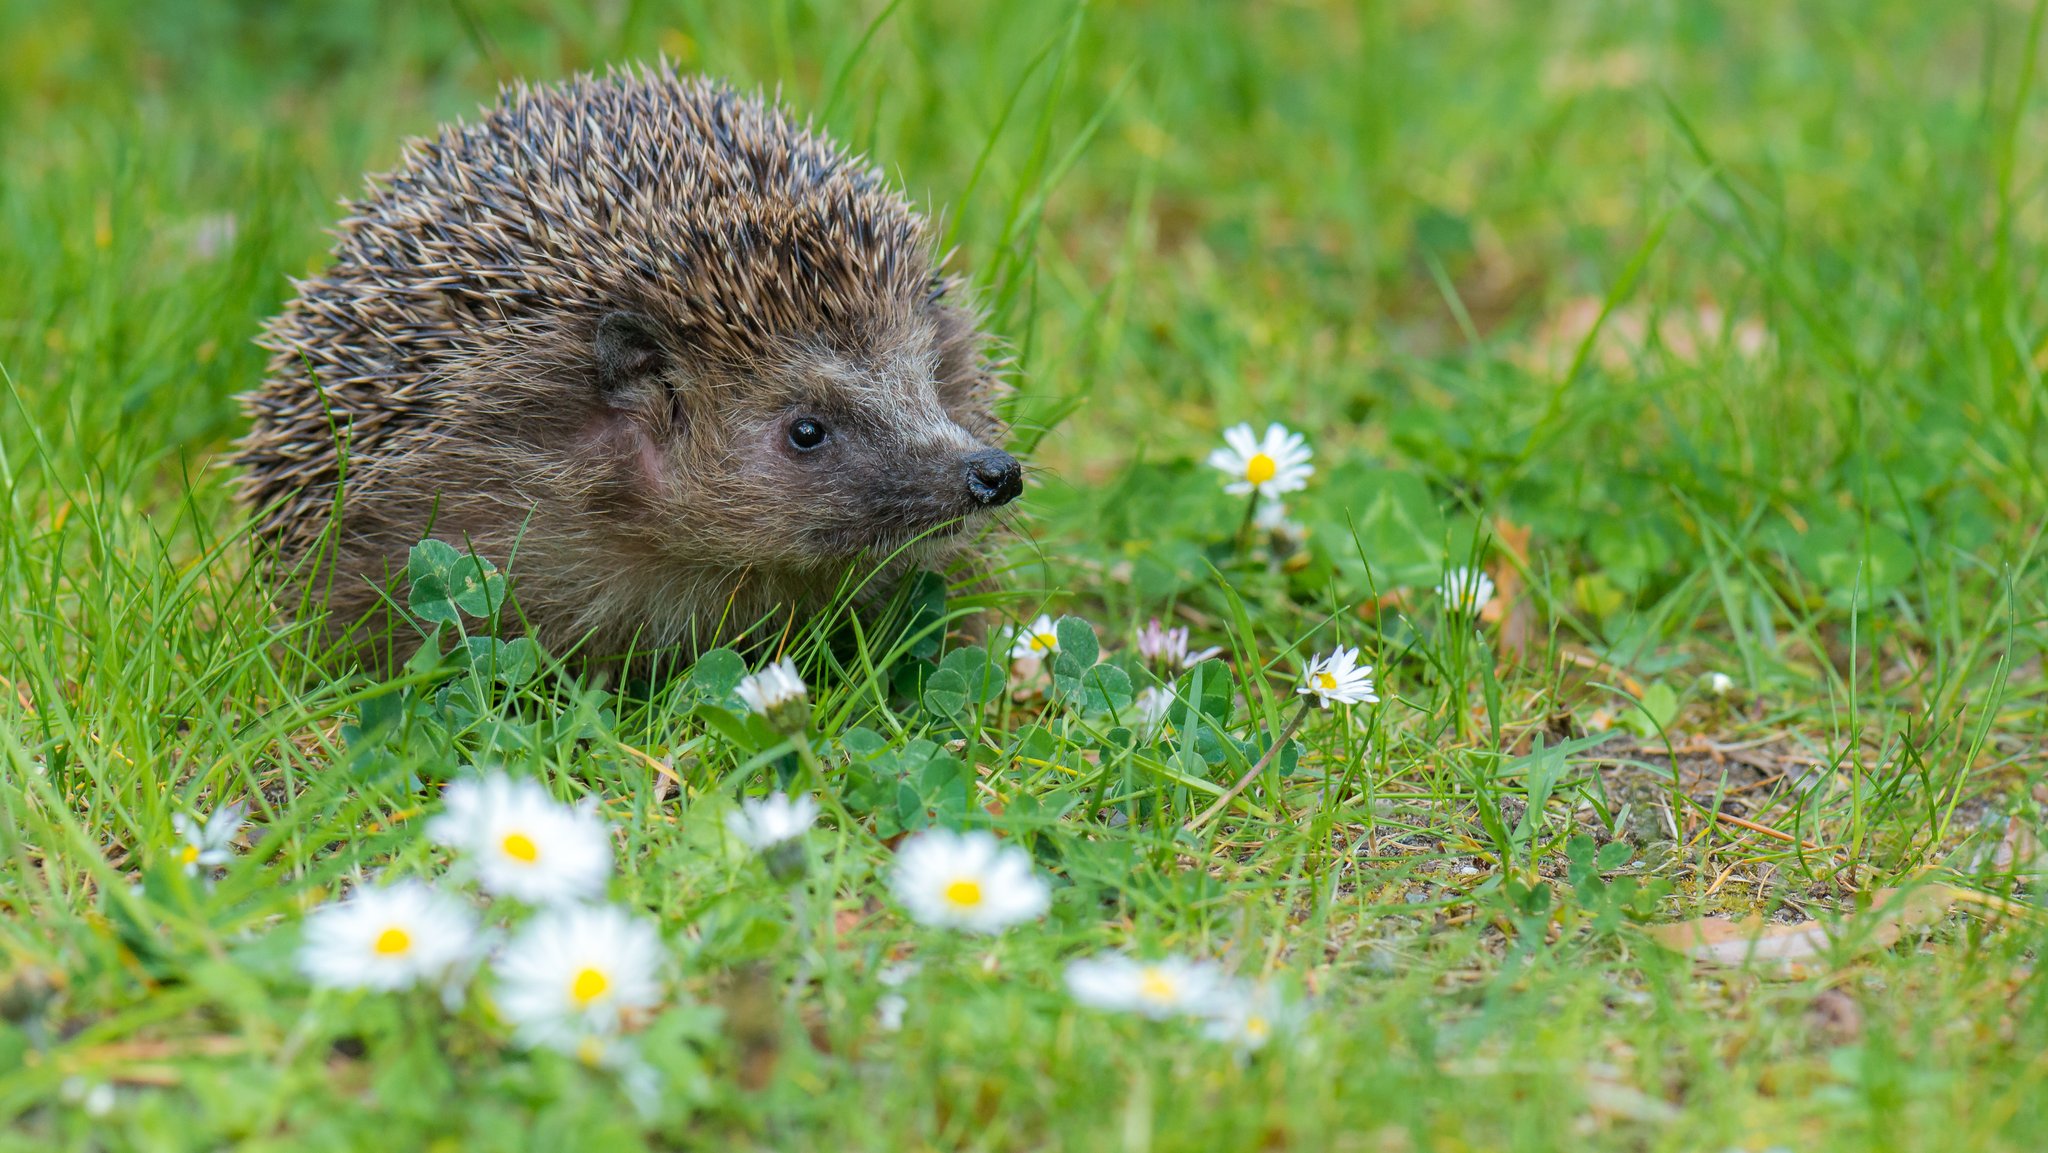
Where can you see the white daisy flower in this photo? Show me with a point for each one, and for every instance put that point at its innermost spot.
(1158, 989)
(1465, 590)
(207, 843)
(1035, 641)
(775, 689)
(387, 938)
(1337, 678)
(761, 823)
(522, 843)
(1248, 1016)
(1269, 465)
(576, 973)
(1719, 684)
(967, 881)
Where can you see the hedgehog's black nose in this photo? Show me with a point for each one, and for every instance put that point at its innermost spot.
(994, 477)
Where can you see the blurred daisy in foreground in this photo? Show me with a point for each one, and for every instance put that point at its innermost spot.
(207, 842)
(967, 881)
(1035, 641)
(1466, 590)
(522, 843)
(575, 974)
(1270, 465)
(774, 827)
(387, 938)
(1248, 1016)
(1336, 678)
(761, 823)
(778, 693)
(1168, 987)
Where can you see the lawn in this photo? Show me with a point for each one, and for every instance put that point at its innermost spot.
(1713, 334)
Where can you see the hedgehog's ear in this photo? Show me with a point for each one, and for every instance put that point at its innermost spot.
(628, 359)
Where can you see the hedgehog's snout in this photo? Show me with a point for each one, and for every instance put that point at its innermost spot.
(994, 477)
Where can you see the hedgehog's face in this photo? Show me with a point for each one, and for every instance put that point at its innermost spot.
(818, 457)
(864, 467)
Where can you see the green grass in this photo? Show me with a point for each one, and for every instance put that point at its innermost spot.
(1804, 448)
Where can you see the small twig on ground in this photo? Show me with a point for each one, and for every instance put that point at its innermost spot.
(1587, 660)
(1768, 831)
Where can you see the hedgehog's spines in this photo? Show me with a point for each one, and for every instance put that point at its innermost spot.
(465, 285)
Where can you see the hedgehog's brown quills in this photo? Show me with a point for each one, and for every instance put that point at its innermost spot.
(692, 361)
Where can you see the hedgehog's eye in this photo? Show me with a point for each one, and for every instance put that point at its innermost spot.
(806, 434)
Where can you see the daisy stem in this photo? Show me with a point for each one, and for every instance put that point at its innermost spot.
(800, 913)
(1244, 528)
(1244, 782)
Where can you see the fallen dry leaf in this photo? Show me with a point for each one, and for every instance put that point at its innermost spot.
(1610, 1101)
(2018, 852)
(1791, 950)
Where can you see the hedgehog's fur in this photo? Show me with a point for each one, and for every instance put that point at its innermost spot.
(581, 328)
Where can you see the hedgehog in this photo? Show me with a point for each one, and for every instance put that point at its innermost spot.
(678, 363)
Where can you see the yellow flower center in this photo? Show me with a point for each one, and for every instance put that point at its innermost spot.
(520, 847)
(391, 942)
(1260, 468)
(1155, 985)
(1325, 682)
(1256, 1027)
(1044, 642)
(588, 986)
(190, 854)
(965, 892)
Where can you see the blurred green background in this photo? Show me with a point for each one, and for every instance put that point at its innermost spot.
(1388, 224)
